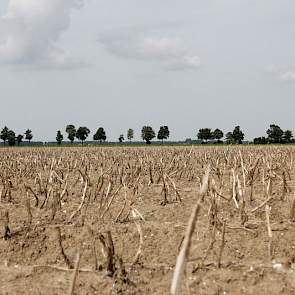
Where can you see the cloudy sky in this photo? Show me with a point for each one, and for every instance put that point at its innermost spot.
(124, 64)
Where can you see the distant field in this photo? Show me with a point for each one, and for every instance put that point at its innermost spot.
(125, 210)
(105, 144)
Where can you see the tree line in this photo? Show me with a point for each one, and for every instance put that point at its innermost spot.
(81, 133)
(274, 134)
(235, 137)
(9, 136)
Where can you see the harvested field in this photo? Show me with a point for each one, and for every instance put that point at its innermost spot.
(114, 220)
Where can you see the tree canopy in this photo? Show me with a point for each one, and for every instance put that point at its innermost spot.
(163, 133)
(275, 134)
(238, 135)
(59, 137)
(287, 136)
(19, 139)
(121, 138)
(217, 134)
(71, 130)
(28, 135)
(4, 134)
(229, 138)
(204, 134)
(100, 135)
(147, 134)
(11, 138)
(82, 133)
(130, 134)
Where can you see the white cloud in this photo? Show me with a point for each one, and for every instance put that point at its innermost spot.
(30, 32)
(288, 76)
(186, 62)
(282, 73)
(172, 54)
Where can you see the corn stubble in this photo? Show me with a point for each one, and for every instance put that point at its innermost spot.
(92, 192)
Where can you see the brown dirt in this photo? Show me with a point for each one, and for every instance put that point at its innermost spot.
(30, 259)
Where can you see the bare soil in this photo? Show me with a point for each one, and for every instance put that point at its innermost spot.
(31, 261)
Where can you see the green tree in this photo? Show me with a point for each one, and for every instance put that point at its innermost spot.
(4, 134)
(275, 134)
(59, 137)
(163, 133)
(217, 134)
(28, 135)
(238, 135)
(287, 136)
(100, 135)
(82, 133)
(147, 134)
(19, 139)
(229, 138)
(204, 134)
(11, 138)
(130, 134)
(71, 130)
(260, 140)
(121, 138)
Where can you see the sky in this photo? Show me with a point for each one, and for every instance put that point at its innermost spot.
(125, 64)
